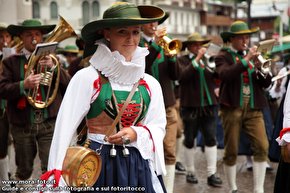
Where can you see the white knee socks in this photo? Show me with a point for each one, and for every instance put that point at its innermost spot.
(259, 171)
(231, 173)
(211, 159)
(169, 178)
(189, 159)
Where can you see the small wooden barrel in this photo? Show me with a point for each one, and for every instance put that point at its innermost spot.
(81, 166)
(285, 154)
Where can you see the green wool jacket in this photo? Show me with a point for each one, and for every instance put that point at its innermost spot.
(230, 67)
(163, 68)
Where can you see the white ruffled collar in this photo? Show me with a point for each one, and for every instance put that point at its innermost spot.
(114, 66)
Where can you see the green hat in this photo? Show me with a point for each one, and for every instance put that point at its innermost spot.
(3, 26)
(167, 14)
(194, 38)
(70, 49)
(29, 24)
(121, 14)
(238, 28)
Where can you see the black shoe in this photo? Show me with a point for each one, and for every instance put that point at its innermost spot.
(214, 180)
(179, 168)
(190, 178)
(235, 191)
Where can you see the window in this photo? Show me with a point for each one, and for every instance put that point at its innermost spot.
(86, 12)
(96, 9)
(35, 9)
(53, 10)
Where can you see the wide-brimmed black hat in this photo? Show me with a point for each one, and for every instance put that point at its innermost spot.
(238, 28)
(121, 14)
(29, 24)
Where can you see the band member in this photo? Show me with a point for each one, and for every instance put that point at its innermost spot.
(197, 81)
(31, 128)
(241, 102)
(70, 52)
(98, 92)
(80, 62)
(5, 138)
(162, 65)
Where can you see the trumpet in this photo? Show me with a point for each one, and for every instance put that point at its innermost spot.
(264, 47)
(264, 64)
(170, 47)
(209, 56)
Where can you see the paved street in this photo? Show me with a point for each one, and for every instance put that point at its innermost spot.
(244, 177)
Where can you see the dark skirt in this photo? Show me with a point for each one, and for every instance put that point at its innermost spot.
(123, 174)
(282, 178)
(274, 148)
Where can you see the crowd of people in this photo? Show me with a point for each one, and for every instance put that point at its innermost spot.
(141, 104)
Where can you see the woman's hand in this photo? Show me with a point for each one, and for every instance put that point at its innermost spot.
(126, 135)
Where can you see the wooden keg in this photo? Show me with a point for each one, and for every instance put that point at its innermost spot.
(81, 166)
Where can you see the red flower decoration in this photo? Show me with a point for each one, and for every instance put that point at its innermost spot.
(159, 55)
(97, 84)
(21, 104)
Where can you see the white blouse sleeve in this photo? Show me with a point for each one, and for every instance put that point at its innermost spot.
(74, 107)
(150, 142)
(274, 93)
(286, 119)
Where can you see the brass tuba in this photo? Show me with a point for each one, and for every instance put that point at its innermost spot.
(171, 47)
(61, 32)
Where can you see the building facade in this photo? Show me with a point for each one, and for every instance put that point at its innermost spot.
(208, 17)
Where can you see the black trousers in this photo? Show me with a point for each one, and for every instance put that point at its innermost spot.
(4, 134)
(200, 118)
(28, 140)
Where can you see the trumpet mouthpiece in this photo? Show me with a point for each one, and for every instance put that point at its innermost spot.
(34, 42)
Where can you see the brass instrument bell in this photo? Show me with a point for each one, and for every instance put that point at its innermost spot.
(171, 47)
